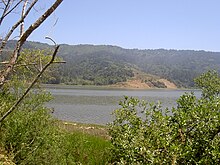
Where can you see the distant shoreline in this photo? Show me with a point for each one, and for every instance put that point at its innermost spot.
(105, 87)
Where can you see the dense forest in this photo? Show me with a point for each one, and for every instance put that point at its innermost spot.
(105, 64)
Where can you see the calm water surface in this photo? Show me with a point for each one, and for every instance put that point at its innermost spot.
(96, 105)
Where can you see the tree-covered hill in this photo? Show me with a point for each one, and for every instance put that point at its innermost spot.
(105, 64)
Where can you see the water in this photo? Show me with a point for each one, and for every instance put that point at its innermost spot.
(96, 105)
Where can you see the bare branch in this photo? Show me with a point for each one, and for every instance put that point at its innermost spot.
(4, 42)
(10, 66)
(4, 2)
(30, 86)
(14, 7)
(4, 62)
(23, 38)
(39, 21)
(22, 16)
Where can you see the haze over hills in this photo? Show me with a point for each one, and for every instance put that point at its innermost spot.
(106, 64)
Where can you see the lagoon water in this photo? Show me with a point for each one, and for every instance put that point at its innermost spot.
(95, 105)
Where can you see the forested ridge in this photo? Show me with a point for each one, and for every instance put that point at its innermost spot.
(105, 64)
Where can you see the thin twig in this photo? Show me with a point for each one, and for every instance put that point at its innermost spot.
(6, 12)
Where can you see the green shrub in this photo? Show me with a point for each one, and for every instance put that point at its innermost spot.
(32, 137)
(145, 133)
(30, 133)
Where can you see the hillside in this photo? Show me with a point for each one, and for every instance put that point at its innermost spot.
(105, 65)
(141, 80)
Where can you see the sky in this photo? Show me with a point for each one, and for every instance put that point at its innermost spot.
(141, 24)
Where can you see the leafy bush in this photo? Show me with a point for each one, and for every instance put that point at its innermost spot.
(145, 133)
(29, 133)
(31, 137)
(209, 83)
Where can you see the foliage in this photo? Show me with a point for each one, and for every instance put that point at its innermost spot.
(146, 133)
(210, 86)
(31, 137)
(31, 62)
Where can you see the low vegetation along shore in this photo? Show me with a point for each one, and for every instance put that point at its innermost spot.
(90, 144)
(30, 135)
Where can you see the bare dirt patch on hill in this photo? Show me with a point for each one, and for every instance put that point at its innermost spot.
(143, 80)
(132, 84)
(170, 85)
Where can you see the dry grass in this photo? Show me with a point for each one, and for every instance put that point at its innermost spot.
(91, 129)
(5, 159)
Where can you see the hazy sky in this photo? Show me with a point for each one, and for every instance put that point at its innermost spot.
(144, 24)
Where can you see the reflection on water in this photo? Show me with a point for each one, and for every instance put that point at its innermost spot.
(96, 105)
